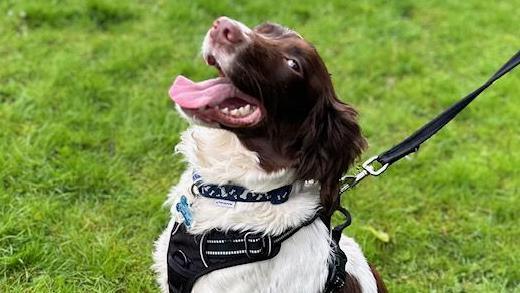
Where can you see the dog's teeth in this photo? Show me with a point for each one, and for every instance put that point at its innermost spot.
(242, 111)
(239, 112)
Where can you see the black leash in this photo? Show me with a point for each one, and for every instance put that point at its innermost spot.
(412, 143)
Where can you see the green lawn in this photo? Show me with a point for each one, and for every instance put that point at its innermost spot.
(87, 134)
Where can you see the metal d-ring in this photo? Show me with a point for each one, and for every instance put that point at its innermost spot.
(194, 190)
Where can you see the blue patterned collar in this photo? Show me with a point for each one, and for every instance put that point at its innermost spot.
(239, 193)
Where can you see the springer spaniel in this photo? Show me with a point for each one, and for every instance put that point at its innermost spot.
(270, 119)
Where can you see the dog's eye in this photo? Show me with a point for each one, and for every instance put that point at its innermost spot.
(293, 64)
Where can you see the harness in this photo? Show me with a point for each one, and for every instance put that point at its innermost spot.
(192, 256)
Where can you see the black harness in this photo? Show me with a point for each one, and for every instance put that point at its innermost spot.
(192, 256)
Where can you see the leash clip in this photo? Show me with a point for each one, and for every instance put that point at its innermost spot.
(367, 166)
(349, 181)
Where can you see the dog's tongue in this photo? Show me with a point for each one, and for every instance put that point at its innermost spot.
(195, 95)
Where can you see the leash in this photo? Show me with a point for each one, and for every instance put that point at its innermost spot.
(412, 143)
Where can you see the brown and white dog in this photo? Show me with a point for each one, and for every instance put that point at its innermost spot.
(270, 119)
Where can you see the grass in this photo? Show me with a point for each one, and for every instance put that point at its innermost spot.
(87, 133)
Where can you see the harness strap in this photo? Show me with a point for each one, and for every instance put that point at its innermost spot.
(249, 244)
(338, 230)
(337, 273)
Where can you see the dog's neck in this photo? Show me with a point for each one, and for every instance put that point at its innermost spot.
(221, 158)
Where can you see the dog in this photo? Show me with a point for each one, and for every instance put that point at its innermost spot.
(271, 119)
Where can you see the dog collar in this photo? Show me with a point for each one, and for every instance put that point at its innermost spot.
(238, 193)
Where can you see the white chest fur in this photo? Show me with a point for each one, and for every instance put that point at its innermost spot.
(300, 266)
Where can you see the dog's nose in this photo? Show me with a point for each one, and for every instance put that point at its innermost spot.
(225, 31)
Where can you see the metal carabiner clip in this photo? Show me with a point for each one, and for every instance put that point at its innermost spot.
(349, 181)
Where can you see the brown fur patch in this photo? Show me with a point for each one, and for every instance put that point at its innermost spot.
(307, 127)
(351, 285)
(381, 288)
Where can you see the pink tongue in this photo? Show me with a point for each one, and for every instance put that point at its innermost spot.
(194, 95)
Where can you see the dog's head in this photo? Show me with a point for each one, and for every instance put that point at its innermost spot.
(275, 93)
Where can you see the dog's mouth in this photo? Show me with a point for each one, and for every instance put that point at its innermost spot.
(216, 100)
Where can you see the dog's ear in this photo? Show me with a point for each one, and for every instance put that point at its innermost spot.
(329, 141)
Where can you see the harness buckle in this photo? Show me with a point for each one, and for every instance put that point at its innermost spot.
(263, 251)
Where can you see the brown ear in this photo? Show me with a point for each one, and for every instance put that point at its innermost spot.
(329, 141)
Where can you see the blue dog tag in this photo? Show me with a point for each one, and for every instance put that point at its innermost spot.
(184, 208)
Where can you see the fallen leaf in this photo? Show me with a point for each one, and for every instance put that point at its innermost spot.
(383, 236)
